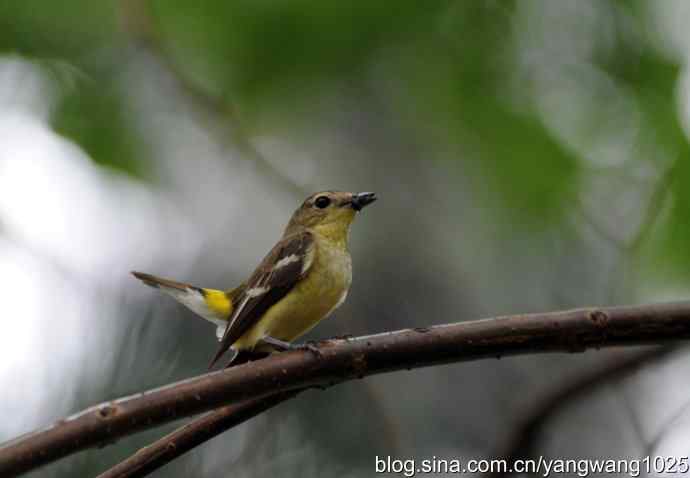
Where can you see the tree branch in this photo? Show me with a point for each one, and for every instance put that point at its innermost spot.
(346, 359)
(166, 449)
(198, 431)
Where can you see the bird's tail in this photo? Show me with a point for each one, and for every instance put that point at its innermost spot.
(211, 304)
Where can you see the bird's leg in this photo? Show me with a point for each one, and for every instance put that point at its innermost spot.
(282, 346)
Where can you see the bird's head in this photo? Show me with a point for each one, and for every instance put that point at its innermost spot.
(329, 213)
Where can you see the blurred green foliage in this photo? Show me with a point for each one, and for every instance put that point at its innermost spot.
(93, 114)
(654, 80)
(77, 42)
(72, 30)
(254, 51)
(653, 77)
(449, 70)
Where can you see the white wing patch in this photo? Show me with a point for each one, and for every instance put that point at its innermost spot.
(285, 261)
(257, 291)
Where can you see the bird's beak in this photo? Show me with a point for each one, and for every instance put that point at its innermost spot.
(360, 200)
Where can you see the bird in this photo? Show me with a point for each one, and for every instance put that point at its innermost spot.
(302, 280)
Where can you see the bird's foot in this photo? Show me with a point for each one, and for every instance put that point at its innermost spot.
(310, 346)
(282, 345)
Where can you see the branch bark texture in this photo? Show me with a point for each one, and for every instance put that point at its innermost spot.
(166, 449)
(346, 359)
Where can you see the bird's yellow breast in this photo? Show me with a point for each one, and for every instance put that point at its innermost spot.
(320, 292)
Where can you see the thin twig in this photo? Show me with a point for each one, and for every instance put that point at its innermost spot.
(166, 449)
(341, 360)
(522, 442)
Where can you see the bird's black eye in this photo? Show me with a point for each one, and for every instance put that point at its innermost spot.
(322, 202)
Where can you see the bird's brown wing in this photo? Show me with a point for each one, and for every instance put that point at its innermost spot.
(280, 270)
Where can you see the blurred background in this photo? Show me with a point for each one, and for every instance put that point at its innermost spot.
(528, 156)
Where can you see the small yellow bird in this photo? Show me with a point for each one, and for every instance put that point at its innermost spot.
(304, 278)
